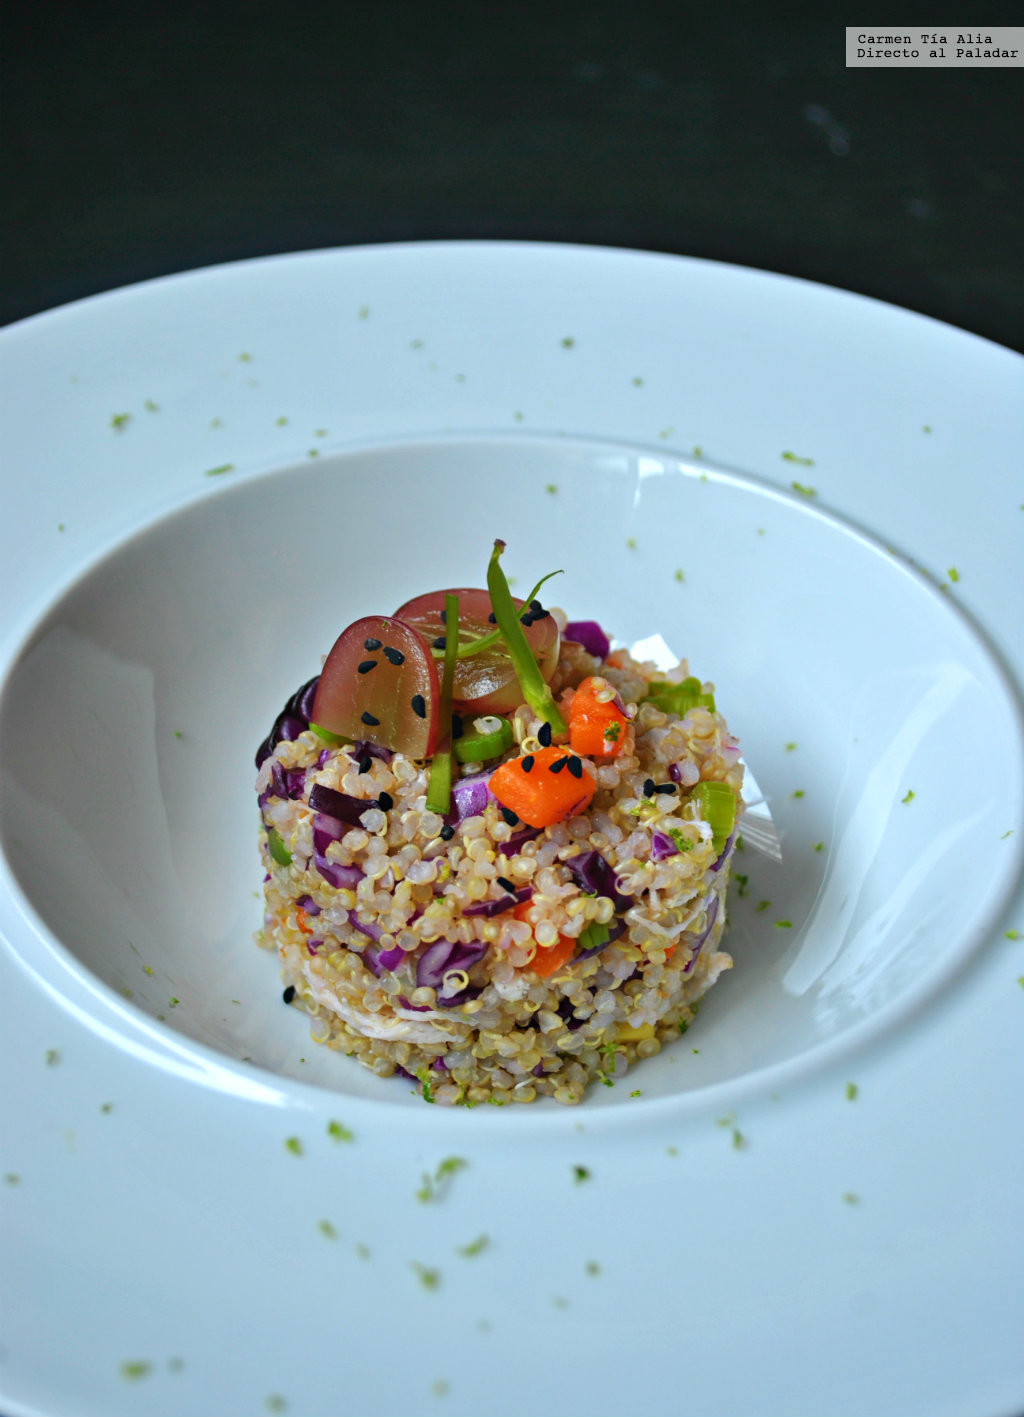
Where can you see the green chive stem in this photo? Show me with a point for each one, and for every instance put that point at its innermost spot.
(531, 681)
(439, 786)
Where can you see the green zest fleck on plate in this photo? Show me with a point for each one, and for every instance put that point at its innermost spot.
(429, 1278)
(219, 471)
(795, 458)
(434, 1186)
(135, 1368)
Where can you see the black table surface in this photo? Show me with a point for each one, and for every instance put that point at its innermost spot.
(139, 141)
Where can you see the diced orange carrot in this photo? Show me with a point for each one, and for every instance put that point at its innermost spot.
(551, 957)
(548, 958)
(596, 727)
(302, 920)
(542, 788)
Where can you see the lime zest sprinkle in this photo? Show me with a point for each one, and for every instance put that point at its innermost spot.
(435, 1186)
(135, 1368)
(678, 576)
(851, 1091)
(783, 924)
(762, 905)
(327, 1229)
(150, 406)
(790, 747)
(909, 797)
(220, 470)
(337, 1132)
(1011, 934)
(568, 342)
(851, 1198)
(119, 420)
(551, 488)
(819, 846)
(798, 793)
(294, 1145)
(580, 1174)
(795, 458)
(428, 1277)
(953, 574)
(803, 490)
(474, 1247)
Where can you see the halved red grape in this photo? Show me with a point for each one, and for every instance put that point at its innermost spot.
(484, 682)
(379, 684)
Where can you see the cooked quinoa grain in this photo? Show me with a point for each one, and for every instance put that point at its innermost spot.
(419, 944)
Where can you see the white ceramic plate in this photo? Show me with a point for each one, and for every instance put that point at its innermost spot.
(783, 1213)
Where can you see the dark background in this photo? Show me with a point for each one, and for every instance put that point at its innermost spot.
(139, 141)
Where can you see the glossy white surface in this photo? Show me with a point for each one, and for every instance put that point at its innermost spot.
(176, 1224)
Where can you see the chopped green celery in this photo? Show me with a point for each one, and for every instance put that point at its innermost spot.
(333, 740)
(439, 784)
(678, 698)
(593, 935)
(717, 804)
(531, 681)
(485, 737)
(278, 851)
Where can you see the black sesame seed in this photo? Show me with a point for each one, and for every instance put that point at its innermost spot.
(527, 762)
(492, 619)
(419, 705)
(393, 656)
(369, 719)
(544, 735)
(385, 801)
(506, 884)
(371, 643)
(649, 787)
(557, 767)
(665, 787)
(457, 728)
(541, 614)
(509, 816)
(575, 767)
(444, 617)
(289, 994)
(536, 606)
(365, 763)
(527, 619)
(447, 832)
(367, 665)
(440, 642)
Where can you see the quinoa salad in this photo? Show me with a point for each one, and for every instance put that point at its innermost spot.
(496, 849)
